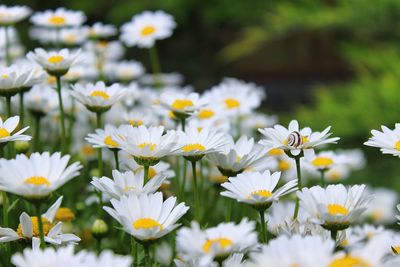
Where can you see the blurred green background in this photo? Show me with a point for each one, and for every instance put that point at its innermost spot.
(326, 62)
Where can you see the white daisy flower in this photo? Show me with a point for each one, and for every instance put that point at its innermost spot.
(107, 258)
(166, 79)
(388, 140)
(299, 251)
(7, 129)
(152, 217)
(100, 30)
(71, 36)
(56, 63)
(40, 100)
(19, 77)
(125, 183)
(98, 97)
(280, 215)
(146, 28)
(323, 161)
(37, 176)
(80, 72)
(180, 104)
(104, 138)
(235, 260)
(58, 18)
(164, 254)
(10, 15)
(257, 188)
(252, 122)
(294, 139)
(382, 209)
(28, 228)
(216, 242)
(137, 117)
(334, 207)
(124, 71)
(147, 145)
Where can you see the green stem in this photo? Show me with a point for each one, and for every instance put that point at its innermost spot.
(116, 158)
(155, 65)
(196, 193)
(40, 224)
(322, 177)
(299, 185)
(7, 46)
(334, 235)
(263, 231)
(184, 171)
(147, 257)
(134, 246)
(8, 106)
(146, 173)
(228, 209)
(21, 108)
(99, 150)
(10, 145)
(62, 116)
(183, 123)
(36, 138)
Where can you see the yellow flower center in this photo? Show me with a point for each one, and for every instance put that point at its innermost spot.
(70, 38)
(283, 165)
(55, 59)
(146, 223)
(64, 215)
(148, 30)
(193, 147)
(397, 145)
(87, 150)
(396, 249)
(135, 122)
(35, 227)
(57, 20)
(109, 141)
(4, 133)
(261, 193)
(336, 209)
(322, 162)
(182, 104)
(100, 93)
(276, 152)
(349, 261)
(4, 76)
(51, 79)
(222, 242)
(231, 103)
(205, 114)
(150, 145)
(152, 172)
(37, 180)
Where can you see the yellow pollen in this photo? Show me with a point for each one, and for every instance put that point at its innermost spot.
(148, 30)
(238, 158)
(135, 122)
(349, 261)
(87, 150)
(222, 242)
(152, 172)
(146, 223)
(150, 145)
(397, 145)
(64, 215)
(205, 114)
(193, 147)
(100, 93)
(102, 44)
(4, 133)
(396, 249)
(51, 79)
(336, 209)
(261, 193)
(35, 227)
(37, 180)
(109, 141)
(304, 139)
(4, 76)
(344, 242)
(276, 152)
(231, 103)
(283, 165)
(322, 162)
(55, 59)
(181, 104)
(57, 20)
(171, 115)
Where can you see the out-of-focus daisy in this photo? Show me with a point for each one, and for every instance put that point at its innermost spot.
(125, 183)
(56, 63)
(124, 71)
(308, 251)
(58, 18)
(294, 139)
(104, 138)
(98, 97)
(72, 36)
(13, 14)
(80, 72)
(324, 160)
(40, 100)
(164, 254)
(17, 78)
(251, 123)
(388, 140)
(257, 189)
(139, 117)
(100, 30)
(146, 28)
(334, 207)
(107, 258)
(7, 129)
(147, 145)
(37, 176)
(280, 215)
(181, 105)
(235, 260)
(381, 209)
(215, 242)
(153, 218)
(166, 79)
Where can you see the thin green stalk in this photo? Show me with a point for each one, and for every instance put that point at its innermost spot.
(134, 246)
(8, 106)
(21, 108)
(263, 231)
(228, 209)
(334, 235)
(147, 257)
(36, 137)
(7, 46)
(146, 173)
(183, 184)
(299, 185)
(62, 115)
(322, 177)
(10, 145)
(40, 224)
(155, 65)
(196, 193)
(116, 158)
(99, 150)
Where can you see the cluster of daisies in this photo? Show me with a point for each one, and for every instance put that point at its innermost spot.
(153, 173)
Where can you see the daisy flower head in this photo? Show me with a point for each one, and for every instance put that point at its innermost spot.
(37, 176)
(387, 140)
(257, 188)
(215, 243)
(125, 183)
(235, 97)
(7, 129)
(323, 161)
(280, 216)
(381, 210)
(194, 144)
(40, 100)
(124, 71)
(181, 105)
(100, 30)
(13, 14)
(284, 251)
(55, 63)
(152, 217)
(137, 117)
(104, 138)
(19, 78)
(334, 207)
(295, 140)
(98, 97)
(58, 18)
(166, 79)
(148, 145)
(107, 258)
(146, 28)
